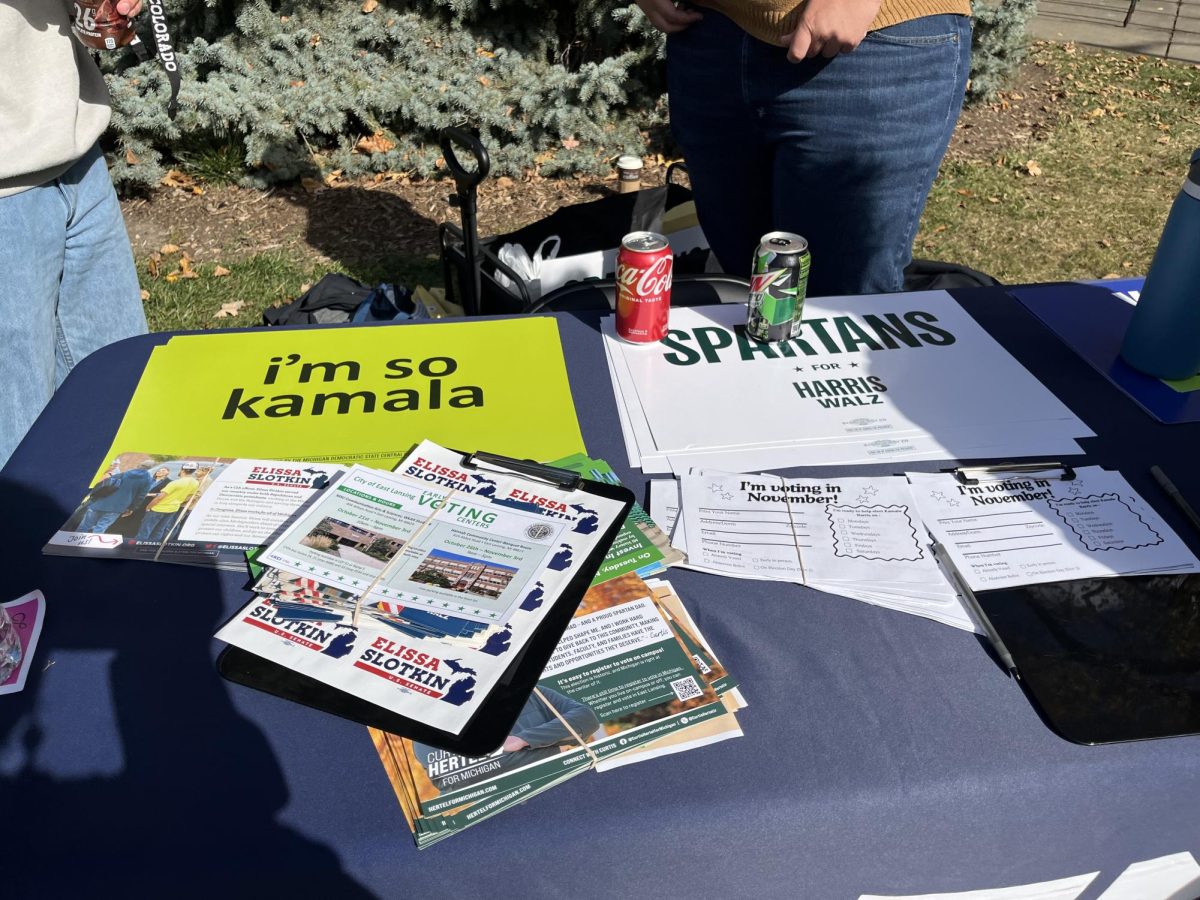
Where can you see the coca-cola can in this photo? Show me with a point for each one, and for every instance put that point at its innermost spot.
(644, 266)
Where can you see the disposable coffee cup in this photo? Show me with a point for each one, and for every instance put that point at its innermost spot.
(629, 174)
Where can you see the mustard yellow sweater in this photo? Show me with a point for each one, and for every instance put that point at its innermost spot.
(770, 20)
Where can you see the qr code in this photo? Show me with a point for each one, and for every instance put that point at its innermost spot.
(686, 688)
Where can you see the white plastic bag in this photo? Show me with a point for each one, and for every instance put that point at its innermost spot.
(529, 269)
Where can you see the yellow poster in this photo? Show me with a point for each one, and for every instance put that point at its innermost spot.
(357, 394)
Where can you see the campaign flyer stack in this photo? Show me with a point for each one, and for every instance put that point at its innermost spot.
(632, 679)
(195, 510)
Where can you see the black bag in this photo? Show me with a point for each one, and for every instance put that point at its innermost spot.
(930, 275)
(332, 299)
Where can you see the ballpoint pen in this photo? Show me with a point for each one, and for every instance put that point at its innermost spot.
(1173, 492)
(960, 584)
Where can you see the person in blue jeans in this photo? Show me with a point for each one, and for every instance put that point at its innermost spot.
(827, 118)
(67, 280)
(116, 496)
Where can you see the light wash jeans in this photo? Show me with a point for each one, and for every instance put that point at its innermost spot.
(842, 151)
(67, 287)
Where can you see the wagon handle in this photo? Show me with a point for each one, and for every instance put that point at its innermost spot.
(466, 181)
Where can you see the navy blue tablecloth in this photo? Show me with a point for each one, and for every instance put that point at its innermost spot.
(883, 753)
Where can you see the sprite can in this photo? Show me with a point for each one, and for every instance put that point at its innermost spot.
(777, 283)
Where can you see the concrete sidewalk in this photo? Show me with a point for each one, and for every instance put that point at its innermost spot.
(1168, 28)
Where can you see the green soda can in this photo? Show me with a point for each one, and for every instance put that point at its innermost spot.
(777, 284)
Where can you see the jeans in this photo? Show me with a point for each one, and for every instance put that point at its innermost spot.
(155, 526)
(842, 151)
(98, 522)
(67, 287)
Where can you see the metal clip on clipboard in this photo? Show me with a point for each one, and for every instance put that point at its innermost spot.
(969, 475)
(526, 468)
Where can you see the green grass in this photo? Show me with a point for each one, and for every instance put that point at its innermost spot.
(267, 279)
(1109, 172)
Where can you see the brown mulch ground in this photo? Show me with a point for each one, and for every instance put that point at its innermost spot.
(228, 223)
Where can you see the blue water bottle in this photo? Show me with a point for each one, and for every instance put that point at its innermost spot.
(1163, 338)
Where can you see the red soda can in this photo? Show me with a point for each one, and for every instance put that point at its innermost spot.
(644, 266)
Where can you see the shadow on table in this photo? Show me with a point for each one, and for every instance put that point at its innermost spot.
(123, 760)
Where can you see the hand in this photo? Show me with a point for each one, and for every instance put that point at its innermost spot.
(512, 743)
(829, 27)
(129, 8)
(667, 17)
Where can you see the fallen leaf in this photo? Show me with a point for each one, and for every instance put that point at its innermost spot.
(229, 309)
(152, 267)
(171, 277)
(312, 185)
(314, 40)
(299, 82)
(993, 199)
(376, 143)
(964, 192)
(175, 178)
(1105, 242)
(485, 53)
(168, 249)
(370, 6)
(484, 80)
(221, 272)
(145, 295)
(504, 182)
(1033, 168)
(131, 157)
(570, 143)
(306, 287)
(1126, 265)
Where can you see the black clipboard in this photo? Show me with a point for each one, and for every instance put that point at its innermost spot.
(490, 725)
(1102, 660)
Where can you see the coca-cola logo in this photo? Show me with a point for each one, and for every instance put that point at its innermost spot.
(653, 281)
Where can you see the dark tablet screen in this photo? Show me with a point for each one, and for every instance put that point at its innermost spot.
(1107, 659)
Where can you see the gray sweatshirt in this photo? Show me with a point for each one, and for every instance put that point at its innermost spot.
(53, 102)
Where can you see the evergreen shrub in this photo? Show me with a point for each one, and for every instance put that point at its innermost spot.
(999, 43)
(299, 88)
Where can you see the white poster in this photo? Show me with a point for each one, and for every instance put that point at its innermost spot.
(887, 377)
